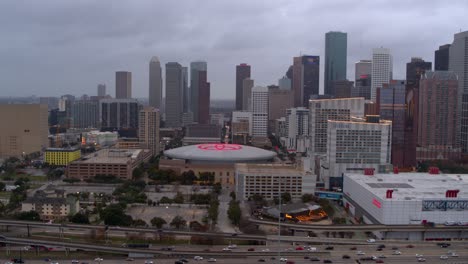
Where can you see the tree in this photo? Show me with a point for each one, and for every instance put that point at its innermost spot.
(307, 197)
(207, 177)
(178, 198)
(234, 212)
(217, 188)
(139, 222)
(257, 198)
(178, 222)
(286, 197)
(79, 218)
(158, 222)
(187, 177)
(165, 200)
(213, 209)
(29, 216)
(233, 195)
(2, 186)
(137, 173)
(114, 215)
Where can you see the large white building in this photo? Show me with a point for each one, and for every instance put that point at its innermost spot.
(354, 146)
(330, 109)
(406, 198)
(382, 69)
(259, 111)
(297, 125)
(269, 180)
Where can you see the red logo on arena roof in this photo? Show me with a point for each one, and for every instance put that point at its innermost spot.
(219, 147)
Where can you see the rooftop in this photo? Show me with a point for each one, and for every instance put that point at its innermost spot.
(412, 185)
(270, 169)
(113, 156)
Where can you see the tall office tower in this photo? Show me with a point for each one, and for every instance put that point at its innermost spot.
(330, 109)
(458, 64)
(155, 83)
(148, 130)
(297, 125)
(242, 72)
(195, 67)
(247, 85)
(101, 90)
(341, 88)
(355, 145)
(119, 114)
(284, 83)
(259, 111)
(362, 68)
(362, 88)
(414, 70)
(392, 107)
(203, 98)
(278, 101)
(305, 79)
(24, 129)
(438, 136)
(85, 113)
(174, 94)
(336, 44)
(441, 58)
(123, 85)
(185, 88)
(382, 68)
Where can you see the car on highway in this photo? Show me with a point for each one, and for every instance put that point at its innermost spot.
(198, 258)
(353, 248)
(379, 249)
(310, 248)
(127, 259)
(379, 261)
(299, 248)
(149, 261)
(232, 246)
(327, 261)
(381, 256)
(410, 246)
(329, 248)
(306, 257)
(314, 259)
(381, 246)
(178, 262)
(8, 262)
(370, 240)
(75, 261)
(211, 260)
(444, 257)
(17, 260)
(261, 260)
(266, 250)
(54, 262)
(450, 223)
(183, 260)
(421, 260)
(346, 257)
(283, 259)
(290, 262)
(394, 248)
(227, 249)
(419, 255)
(396, 252)
(251, 249)
(98, 259)
(360, 253)
(453, 254)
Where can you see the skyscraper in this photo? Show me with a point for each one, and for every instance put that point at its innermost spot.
(85, 113)
(284, 83)
(101, 90)
(247, 86)
(392, 107)
(305, 79)
(174, 94)
(414, 70)
(278, 101)
(195, 67)
(363, 68)
(382, 69)
(437, 121)
(336, 44)
(119, 114)
(148, 130)
(123, 85)
(185, 88)
(297, 124)
(441, 58)
(458, 64)
(155, 83)
(203, 98)
(242, 72)
(259, 111)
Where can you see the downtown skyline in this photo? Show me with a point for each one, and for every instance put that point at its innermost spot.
(42, 42)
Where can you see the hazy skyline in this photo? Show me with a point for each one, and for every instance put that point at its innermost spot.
(56, 47)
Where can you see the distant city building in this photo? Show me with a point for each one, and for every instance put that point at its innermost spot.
(341, 88)
(336, 45)
(330, 109)
(101, 139)
(24, 129)
(278, 101)
(438, 136)
(148, 131)
(155, 83)
(117, 162)
(185, 89)
(203, 98)
(174, 94)
(195, 68)
(362, 87)
(51, 102)
(202, 133)
(458, 64)
(305, 79)
(187, 118)
(241, 127)
(101, 90)
(85, 114)
(393, 108)
(119, 114)
(281, 129)
(61, 156)
(247, 85)
(297, 125)
(259, 111)
(362, 68)
(414, 70)
(382, 69)
(285, 83)
(242, 73)
(441, 58)
(123, 85)
(356, 145)
(217, 119)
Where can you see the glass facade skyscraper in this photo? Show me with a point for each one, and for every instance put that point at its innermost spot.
(335, 59)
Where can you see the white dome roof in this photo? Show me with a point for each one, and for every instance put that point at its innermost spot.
(231, 153)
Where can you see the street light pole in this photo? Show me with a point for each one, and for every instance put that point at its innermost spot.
(279, 220)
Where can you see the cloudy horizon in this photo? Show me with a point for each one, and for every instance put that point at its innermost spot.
(56, 47)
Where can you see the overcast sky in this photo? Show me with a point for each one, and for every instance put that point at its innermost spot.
(55, 47)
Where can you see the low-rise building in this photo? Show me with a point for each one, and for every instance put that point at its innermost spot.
(117, 162)
(61, 156)
(268, 180)
(51, 208)
(96, 137)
